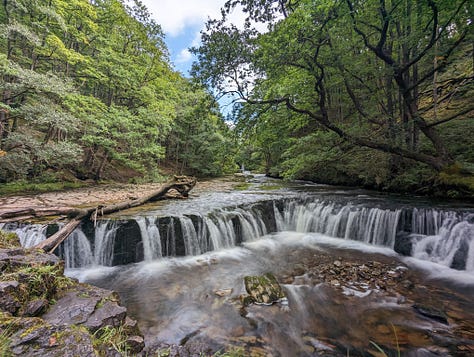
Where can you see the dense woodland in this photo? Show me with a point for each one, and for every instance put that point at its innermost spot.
(87, 90)
(375, 93)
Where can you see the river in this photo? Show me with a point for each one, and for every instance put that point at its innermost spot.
(362, 272)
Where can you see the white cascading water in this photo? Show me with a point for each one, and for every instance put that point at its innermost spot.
(150, 237)
(252, 225)
(104, 239)
(455, 236)
(190, 236)
(29, 235)
(370, 225)
(445, 237)
(429, 221)
(79, 252)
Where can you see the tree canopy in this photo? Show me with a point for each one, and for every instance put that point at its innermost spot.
(367, 89)
(86, 84)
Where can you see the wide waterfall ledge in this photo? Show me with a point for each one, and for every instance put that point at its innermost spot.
(440, 235)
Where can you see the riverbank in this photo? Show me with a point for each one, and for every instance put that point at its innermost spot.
(44, 313)
(94, 195)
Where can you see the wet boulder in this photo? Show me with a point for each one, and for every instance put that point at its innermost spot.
(403, 243)
(262, 289)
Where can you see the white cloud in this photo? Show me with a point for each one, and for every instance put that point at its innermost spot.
(184, 56)
(175, 15)
(183, 17)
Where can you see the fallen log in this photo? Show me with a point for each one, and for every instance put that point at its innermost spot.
(22, 213)
(181, 184)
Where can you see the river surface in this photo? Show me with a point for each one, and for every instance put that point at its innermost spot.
(333, 250)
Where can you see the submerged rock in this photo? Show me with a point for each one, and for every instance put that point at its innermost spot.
(432, 313)
(223, 292)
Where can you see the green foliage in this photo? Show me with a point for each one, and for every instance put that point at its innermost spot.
(20, 187)
(5, 332)
(199, 141)
(361, 93)
(42, 281)
(231, 352)
(115, 337)
(88, 85)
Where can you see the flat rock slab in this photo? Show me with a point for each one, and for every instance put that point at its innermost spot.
(37, 338)
(22, 257)
(91, 307)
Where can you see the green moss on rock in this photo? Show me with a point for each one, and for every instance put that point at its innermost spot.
(262, 289)
(8, 240)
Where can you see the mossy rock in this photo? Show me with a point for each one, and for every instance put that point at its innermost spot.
(262, 289)
(8, 240)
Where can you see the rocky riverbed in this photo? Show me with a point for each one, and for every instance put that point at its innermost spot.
(101, 194)
(333, 302)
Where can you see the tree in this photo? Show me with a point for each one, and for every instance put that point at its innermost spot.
(356, 69)
(198, 142)
(86, 85)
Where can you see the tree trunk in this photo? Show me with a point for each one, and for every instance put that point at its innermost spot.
(182, 184)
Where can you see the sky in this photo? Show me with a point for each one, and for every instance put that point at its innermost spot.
(182, 20)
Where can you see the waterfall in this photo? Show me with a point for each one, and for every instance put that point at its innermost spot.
(429, 221)
(451, 245)
(190, 236)
(29, 234)
(442, 236)
(104, 239)
(370, 225)
(150, 237)
(77, 250)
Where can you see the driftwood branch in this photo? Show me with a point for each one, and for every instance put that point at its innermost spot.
(182, 184)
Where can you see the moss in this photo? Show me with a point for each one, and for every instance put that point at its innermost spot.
(9, 240)
(112, 297)
(271, 187)
(26, 187)
(163, 352)
(31, 329)
(242, 186)
(456, 181)
(231, 352)
(263, 289)
(42, 281)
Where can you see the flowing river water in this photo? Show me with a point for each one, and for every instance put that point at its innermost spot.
(361, 272)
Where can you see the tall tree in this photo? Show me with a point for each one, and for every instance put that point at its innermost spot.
(356, 69)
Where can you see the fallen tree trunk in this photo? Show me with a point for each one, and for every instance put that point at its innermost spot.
(22, 214)
(182, 184)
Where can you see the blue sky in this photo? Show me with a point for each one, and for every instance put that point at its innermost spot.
(182, 20)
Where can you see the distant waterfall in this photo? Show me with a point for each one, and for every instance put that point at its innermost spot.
(442, 236)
